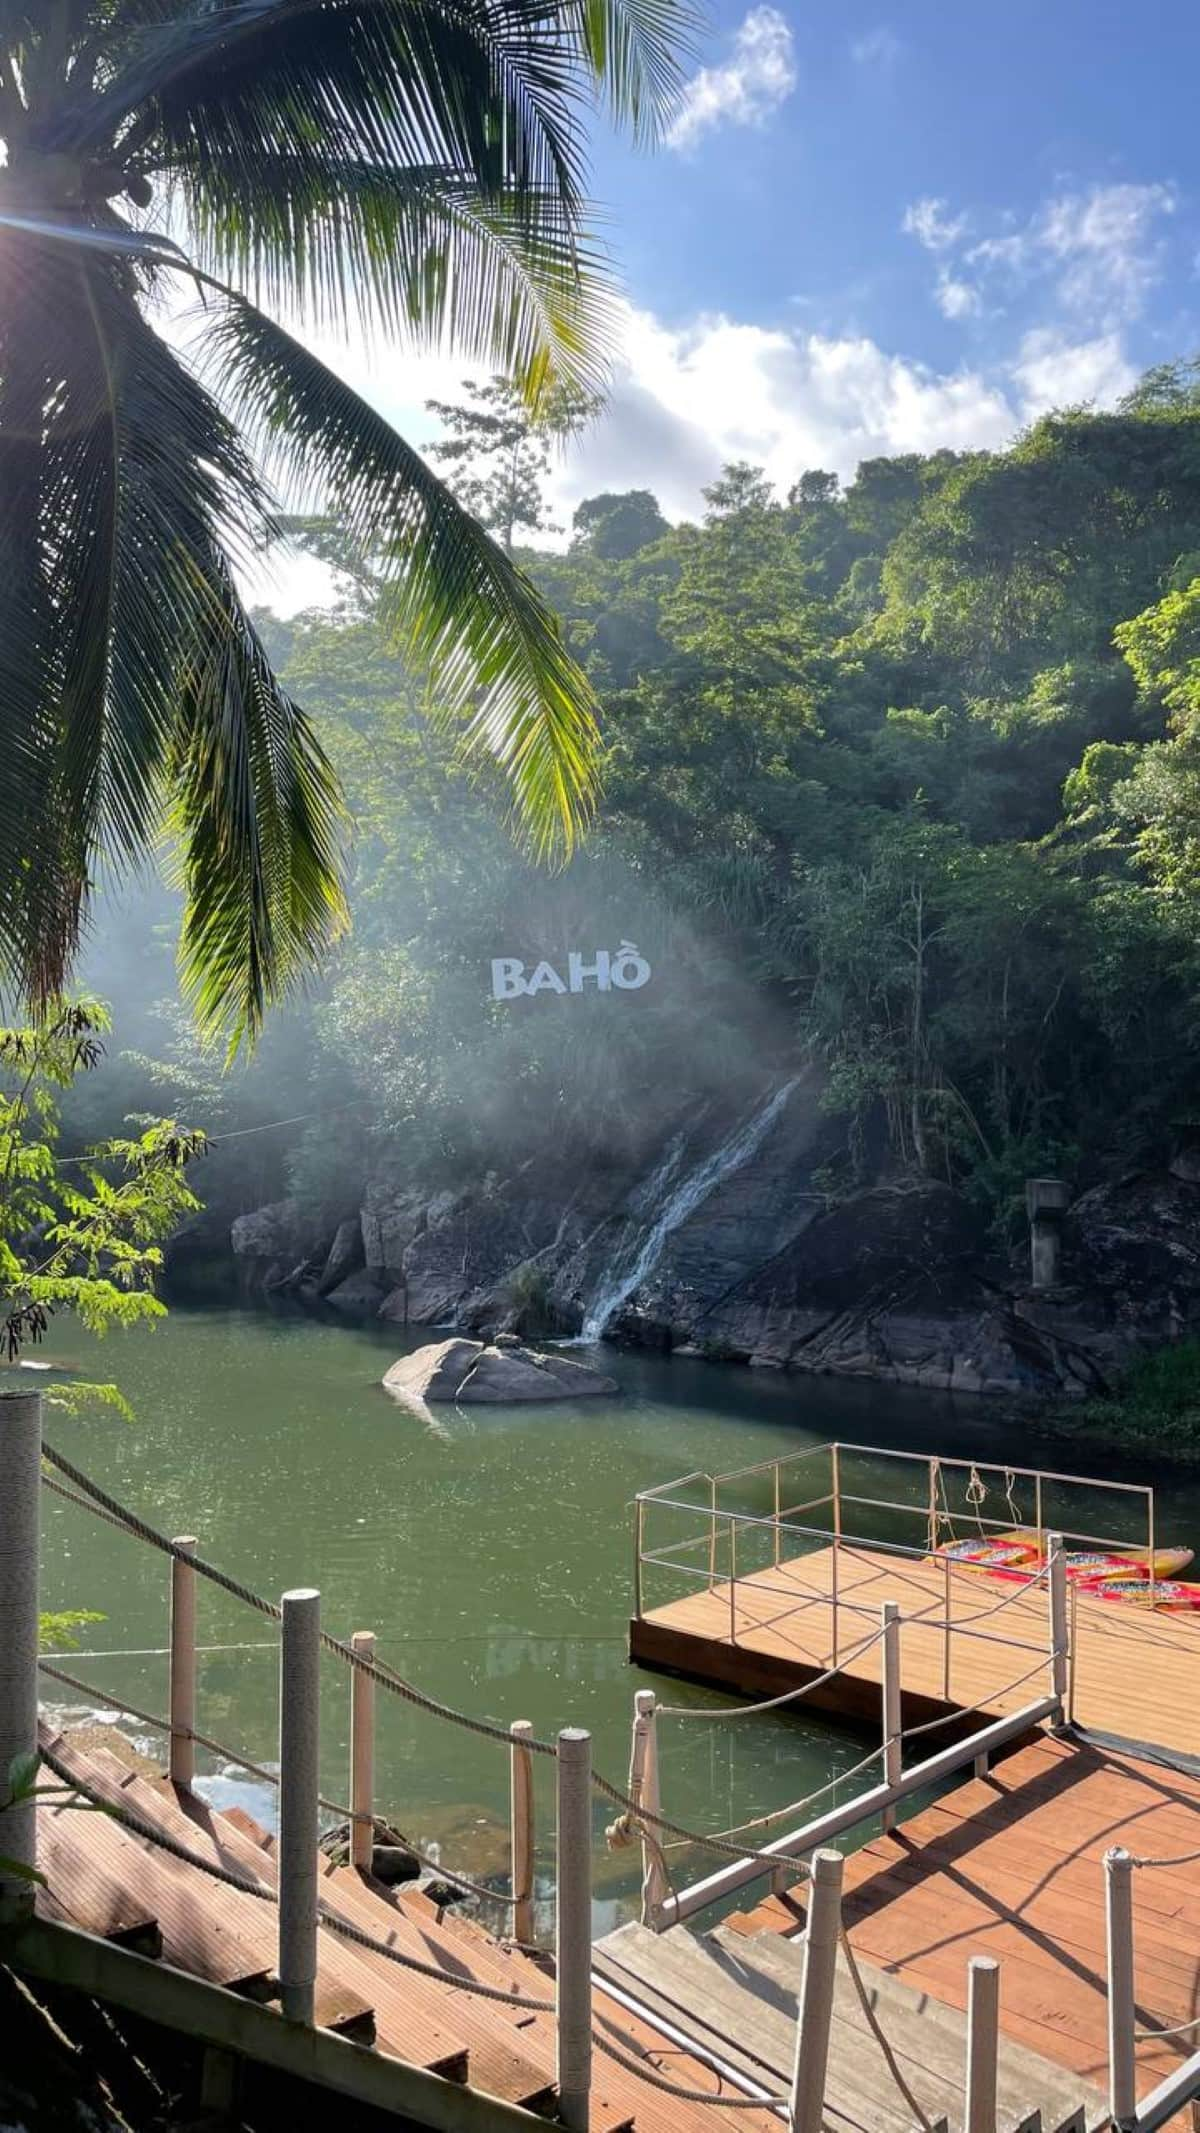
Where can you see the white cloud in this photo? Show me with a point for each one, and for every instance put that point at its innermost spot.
(1107, 244)
(1051, 371)
(931, 223)
(684, 401)
(746, 88)
(957, 299)
(877, 48)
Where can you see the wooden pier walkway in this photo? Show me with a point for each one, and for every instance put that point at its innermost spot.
(1136, 1674)
(1010, 1865)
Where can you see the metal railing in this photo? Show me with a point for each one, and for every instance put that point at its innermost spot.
(663, 1907)
(765, 1525)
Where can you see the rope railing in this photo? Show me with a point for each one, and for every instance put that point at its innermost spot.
(270, 1777)
(152, 1833)
(374, 1669)
(638, 1807)
(770, 1703)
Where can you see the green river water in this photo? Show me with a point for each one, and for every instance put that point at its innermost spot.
(491, 1553)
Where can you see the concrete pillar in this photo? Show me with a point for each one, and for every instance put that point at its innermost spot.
(299, 1732)
(1122, 2043)
(520, 1824)
(182, 1663)
(1046, 1202)
(983, 2042)
(573, 1950)
(815, 2013)
(362, 1755)
(20, 1489)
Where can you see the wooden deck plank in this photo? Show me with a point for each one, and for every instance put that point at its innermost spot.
(1011, 1865)
(1136, 1674)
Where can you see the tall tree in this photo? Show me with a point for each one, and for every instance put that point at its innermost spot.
(364, 165)
(498, 452)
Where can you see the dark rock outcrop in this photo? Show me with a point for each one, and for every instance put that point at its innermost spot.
(898, 1281)
(468, 1371)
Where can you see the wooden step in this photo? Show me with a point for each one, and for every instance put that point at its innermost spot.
(924, 2027)
(743, 1993)
(717, 2006)
(224, 1935)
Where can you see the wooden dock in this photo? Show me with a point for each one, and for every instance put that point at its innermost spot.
(1010, 1865)
(1135, 1674)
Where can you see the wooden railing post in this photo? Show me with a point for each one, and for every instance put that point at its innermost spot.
(815, 2012)
(299, 1738)
(1056, 1584)
(983, 2042)
(573, 1937)
(362, 1755)
(181, 1752)
(20, 1490)
(891, 1699)
(1118, 1897)
(648, 1794)
(520, 1825)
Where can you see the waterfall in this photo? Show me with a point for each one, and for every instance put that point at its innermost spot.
(625, 1274)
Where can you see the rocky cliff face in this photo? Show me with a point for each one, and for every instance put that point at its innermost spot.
(738, 1255)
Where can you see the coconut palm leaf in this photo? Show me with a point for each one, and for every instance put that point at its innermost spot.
(412, 168)
(460, 607)
(419, 255)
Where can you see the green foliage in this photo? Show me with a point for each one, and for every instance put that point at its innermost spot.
(80, 1234)
(1155, 1406)
(365, 168)
(902, 779)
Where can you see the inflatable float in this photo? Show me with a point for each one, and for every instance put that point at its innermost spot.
(1170, 1594)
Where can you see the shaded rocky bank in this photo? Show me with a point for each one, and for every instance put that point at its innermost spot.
(896, 1282)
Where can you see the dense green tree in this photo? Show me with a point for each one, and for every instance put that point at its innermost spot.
(616, 526)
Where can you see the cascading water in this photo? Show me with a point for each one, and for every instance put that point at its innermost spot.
(626, 1272)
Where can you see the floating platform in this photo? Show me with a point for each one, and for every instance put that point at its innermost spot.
(1135, 1675)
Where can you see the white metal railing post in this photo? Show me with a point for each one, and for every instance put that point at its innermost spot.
(20, 1489)
(983, 2042)
(1056, 1585)
(362, 1754)
(181, 1752)
(648, 1794)
(520, 1825)
(890, 1672)
(299, 1737)
(835, 1464)
(778, 1500)
(639, 1535)
(815, 2011)
(573, 1937)
(1118, 1898)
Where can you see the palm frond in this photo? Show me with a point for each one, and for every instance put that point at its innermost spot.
(259, 820)
(417, 253)
(492, 648)
(126, 663)
(491, 87)
(636, 50)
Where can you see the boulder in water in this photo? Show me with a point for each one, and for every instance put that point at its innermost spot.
(465, 1371)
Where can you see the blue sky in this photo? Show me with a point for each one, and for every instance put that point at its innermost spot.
(885, 229)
